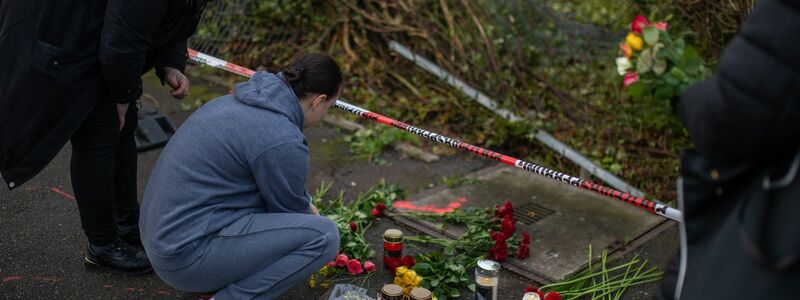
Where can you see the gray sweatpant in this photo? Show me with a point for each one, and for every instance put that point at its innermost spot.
(259, 256)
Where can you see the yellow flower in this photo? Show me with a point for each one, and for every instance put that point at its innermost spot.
(635, 41)
(312, 282)
(398, 281)
(410, 276)
(417, 281)
(325, 284)
(400, 271)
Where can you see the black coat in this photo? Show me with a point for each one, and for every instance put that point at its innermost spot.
(58, 57)
(750, 110)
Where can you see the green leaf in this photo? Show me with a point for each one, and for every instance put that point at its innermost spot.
(452, 279)
(650, 35)
(678, 74)
(659, 66)
(656, 49)
(645, 62)
(690, 53)
(636, 90)
(471, 287)
(453, 293)
(422, 267)
(664, 92)
(434, 282)
(670, 79)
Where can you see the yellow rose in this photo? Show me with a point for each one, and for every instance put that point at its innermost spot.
(417, 281)
(410, 276)
(634, 41)
(398, 281)
(400, 271)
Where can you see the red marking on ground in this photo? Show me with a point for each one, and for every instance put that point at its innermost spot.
(130, 290)
(11, 278)
(62, 193)
(46, 279)
(408, 205)
(163, 292)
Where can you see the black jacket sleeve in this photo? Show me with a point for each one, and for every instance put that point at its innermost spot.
(124, 42)
(750, 109)
(173, 56)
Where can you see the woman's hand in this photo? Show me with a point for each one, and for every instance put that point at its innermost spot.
(122, 110)
(314, 210)
(177, 81)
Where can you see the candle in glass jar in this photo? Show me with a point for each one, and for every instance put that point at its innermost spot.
(486, 279)
(392, 245)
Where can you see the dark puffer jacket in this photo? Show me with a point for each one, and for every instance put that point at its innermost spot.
(750, 110)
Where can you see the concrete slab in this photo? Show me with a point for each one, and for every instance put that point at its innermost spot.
(563, 221)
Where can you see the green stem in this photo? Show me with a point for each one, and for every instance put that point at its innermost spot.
(625, 276)
(588, 276)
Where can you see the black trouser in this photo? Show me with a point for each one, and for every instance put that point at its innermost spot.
(103, 172)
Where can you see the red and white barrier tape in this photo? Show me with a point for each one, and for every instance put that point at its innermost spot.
(649, 205)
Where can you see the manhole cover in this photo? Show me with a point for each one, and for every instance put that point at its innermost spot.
(530, 212)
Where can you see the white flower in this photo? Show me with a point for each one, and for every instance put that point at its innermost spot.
(623, 64)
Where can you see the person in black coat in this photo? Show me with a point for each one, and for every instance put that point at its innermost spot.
(746, 115)
(71, 70)
(750, 109)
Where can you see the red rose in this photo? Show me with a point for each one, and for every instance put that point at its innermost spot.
(630, 78)
(353, 226)
(369, 266)
(506, 210)
(392, 263)
(502, 253)
(380, 207)
(552, 296)
(341, 260)
(639, 22)
(354, 267)
(533, 289)
(409, 261)
(508, 226)
(331, 263)
(526, 239)
(499, 252)
(375, 212)
(523, 252)
(497, 236)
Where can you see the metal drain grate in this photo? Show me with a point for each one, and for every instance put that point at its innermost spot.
(530, 212)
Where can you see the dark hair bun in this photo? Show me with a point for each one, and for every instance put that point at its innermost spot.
(313, 73)
(293, 74)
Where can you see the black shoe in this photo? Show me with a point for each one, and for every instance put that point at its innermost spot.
(133, 240)
(118, 257)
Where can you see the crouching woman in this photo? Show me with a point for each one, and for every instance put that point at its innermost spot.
(226, 208)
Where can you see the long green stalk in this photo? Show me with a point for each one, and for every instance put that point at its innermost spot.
(605, 282)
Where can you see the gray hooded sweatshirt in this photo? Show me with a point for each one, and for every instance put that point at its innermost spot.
(237, 155)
